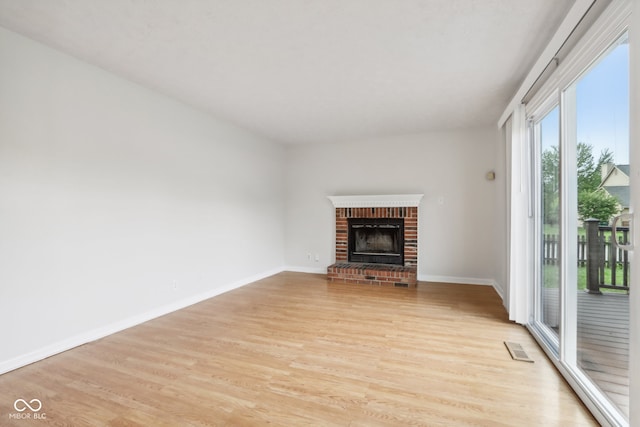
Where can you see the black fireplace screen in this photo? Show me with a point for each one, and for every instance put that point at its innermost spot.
(376, 240)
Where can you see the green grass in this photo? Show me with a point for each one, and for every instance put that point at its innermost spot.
(551, 277)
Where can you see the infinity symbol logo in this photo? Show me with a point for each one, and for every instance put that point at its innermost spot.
(37, 405)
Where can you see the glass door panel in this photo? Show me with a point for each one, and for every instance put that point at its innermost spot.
(601, 125)
(547, 137)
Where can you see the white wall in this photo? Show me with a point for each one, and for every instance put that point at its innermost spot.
(457, 240)
(111, 193)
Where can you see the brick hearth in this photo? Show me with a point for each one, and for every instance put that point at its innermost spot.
(373, 274)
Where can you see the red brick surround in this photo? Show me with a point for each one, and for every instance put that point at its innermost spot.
(410, 215)
(376, 273)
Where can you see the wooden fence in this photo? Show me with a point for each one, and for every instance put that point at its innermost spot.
(597, 252)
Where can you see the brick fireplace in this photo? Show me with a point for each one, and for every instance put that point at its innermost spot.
(376, 240)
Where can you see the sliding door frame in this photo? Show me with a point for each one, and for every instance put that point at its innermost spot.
(560, 90)
(534, 123)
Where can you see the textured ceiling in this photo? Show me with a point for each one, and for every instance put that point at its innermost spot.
(309, 71)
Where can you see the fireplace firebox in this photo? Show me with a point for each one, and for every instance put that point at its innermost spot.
(376, 240)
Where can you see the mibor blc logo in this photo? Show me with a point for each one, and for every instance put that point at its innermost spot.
(28, 410)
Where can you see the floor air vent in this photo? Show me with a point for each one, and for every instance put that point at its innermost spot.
(517, 352)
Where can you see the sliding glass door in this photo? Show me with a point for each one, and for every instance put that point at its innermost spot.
(579, 139)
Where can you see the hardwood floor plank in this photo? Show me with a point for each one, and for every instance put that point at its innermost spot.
(294, 349)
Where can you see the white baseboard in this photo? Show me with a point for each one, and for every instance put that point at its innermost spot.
(312, 270)
(95, 334)
(458, 280)
(463, 281)
(422, 278)
(499, 290)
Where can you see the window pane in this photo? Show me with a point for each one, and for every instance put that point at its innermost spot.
(602, 128)
(549, 135)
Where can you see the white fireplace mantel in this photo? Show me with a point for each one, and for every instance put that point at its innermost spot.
(377, 201)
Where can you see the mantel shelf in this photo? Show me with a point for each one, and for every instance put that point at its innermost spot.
(376, 201)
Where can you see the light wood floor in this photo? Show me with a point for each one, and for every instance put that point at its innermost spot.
(294, 350)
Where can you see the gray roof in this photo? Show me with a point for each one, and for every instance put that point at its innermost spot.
(624, 169)
(620, 192)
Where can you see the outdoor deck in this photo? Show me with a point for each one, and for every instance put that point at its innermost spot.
(603, 343)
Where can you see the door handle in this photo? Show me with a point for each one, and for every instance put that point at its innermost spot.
(614, 225)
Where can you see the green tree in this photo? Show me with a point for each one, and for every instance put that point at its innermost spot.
(597, 204)
(589, 179)
(589, 170)
(550, 185)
